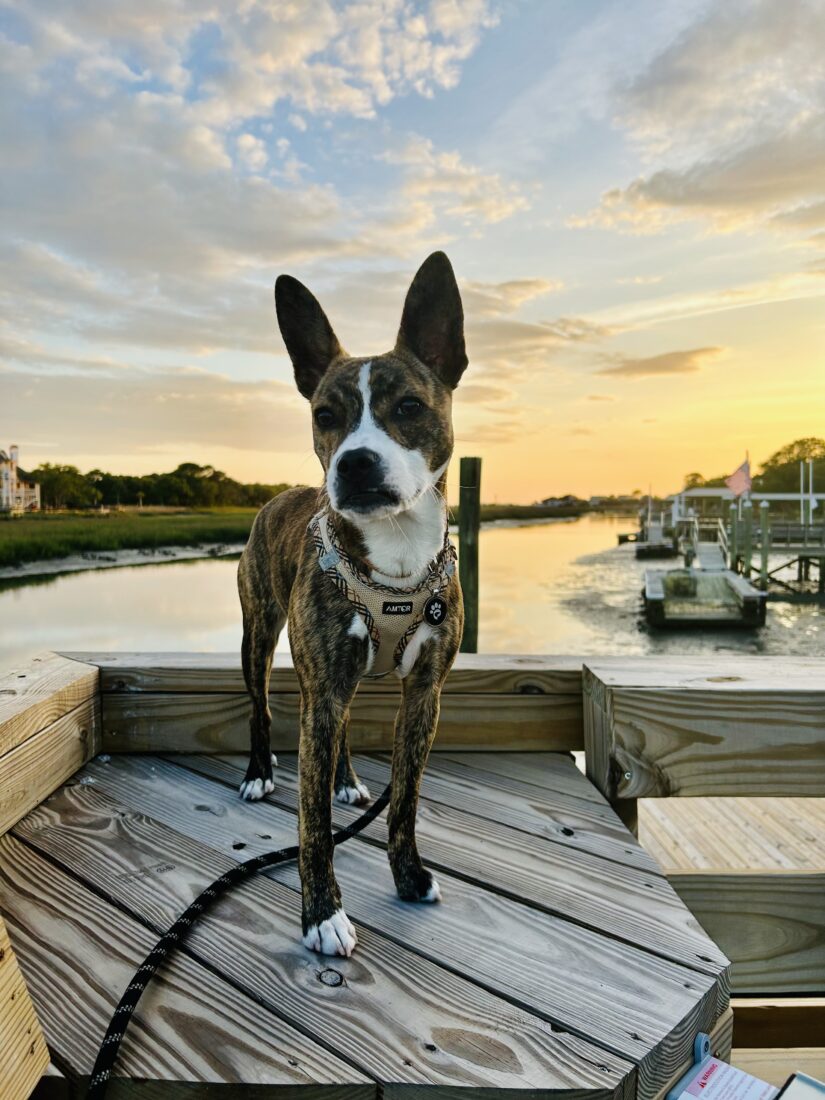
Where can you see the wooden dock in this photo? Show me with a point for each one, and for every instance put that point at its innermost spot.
(562, 962)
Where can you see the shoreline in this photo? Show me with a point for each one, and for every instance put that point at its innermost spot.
(115, 559)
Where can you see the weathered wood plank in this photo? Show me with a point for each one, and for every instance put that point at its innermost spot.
(555, 771)
(727, 673)
(625, 902)
(713, 732)
(776, 1066)
(78, 954)
(161, 722)
(32, 770)
(23, 1052)
(735, 834)
(562, 884)
(409, 1024)
(37, 693)
(473, 673)
(562, 818)
(778, 1021)
(620, 997)
(770, 925)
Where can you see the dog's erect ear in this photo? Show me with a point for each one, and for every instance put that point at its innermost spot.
(432, 324)
(308, 335)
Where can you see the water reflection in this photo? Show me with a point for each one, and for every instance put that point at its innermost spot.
(562, 587)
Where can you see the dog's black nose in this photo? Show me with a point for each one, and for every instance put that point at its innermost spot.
(357, 465)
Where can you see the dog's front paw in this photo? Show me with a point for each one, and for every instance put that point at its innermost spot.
(420, 885)
(258, 781)
(335, 936)
(356, 794)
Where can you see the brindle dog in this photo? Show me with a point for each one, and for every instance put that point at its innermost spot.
(382, 429)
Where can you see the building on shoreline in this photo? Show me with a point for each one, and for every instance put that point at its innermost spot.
(19, 492)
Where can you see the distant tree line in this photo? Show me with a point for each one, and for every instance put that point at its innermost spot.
(189, 486)
(780, 472)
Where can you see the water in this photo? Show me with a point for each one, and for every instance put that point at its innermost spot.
(562, 587)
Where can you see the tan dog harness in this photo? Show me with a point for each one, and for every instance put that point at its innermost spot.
(391, 615)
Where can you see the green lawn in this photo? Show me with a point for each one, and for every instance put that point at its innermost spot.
(56, 535)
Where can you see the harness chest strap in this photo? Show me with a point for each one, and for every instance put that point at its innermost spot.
(391, 614)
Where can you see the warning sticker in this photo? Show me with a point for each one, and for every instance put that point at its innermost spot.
(719, 1081)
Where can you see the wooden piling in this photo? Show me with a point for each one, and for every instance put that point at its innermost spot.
(734, 539)
(764, 543)
(747, 510)
(469, 519)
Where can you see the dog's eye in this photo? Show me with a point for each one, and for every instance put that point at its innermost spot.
(324, 418)
(409, 406)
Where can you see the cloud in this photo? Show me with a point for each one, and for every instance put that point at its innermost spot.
(639, 280)
(454, 187)
(600, 397)
(493, 299)
(668, 363)
(732, 109)
(104, 408)
(252, 152)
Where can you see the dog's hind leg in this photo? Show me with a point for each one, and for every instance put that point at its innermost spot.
(260, 635)
(348, 787)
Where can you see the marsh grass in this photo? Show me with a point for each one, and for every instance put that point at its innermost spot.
(59, 534)
(51, 535)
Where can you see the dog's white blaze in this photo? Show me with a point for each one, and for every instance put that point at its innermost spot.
(414, 646)
(358, 629)
(335, 936)
(403, 539)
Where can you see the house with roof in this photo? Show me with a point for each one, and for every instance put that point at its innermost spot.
(19, 492)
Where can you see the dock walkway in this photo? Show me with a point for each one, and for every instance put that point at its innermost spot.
(710, 557)
(560, 961)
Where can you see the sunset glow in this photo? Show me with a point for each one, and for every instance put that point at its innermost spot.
(632, 196)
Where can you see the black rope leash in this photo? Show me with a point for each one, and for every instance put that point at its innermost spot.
(171, 939)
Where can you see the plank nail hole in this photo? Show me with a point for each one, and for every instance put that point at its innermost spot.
(293, 1061)
(202, 808)
(649, 885)
(688, 985)
(430, 1047)
(238, 845)
(264, 836)
(330, 977)
(605, 1069)
(567, 831)
(637, 1037)
(704, 958)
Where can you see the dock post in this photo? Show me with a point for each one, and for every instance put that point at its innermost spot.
(469, 519)
(747, 508)
(764, 544)
(734, 539)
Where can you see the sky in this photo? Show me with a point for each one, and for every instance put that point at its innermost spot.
(632, 196)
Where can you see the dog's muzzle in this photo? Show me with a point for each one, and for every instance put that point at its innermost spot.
(359, 481)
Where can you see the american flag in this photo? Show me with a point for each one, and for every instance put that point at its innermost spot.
(739, 481)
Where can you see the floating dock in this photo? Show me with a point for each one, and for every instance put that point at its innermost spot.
(698, 597)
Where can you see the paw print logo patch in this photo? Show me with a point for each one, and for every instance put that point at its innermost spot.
(435, 610)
